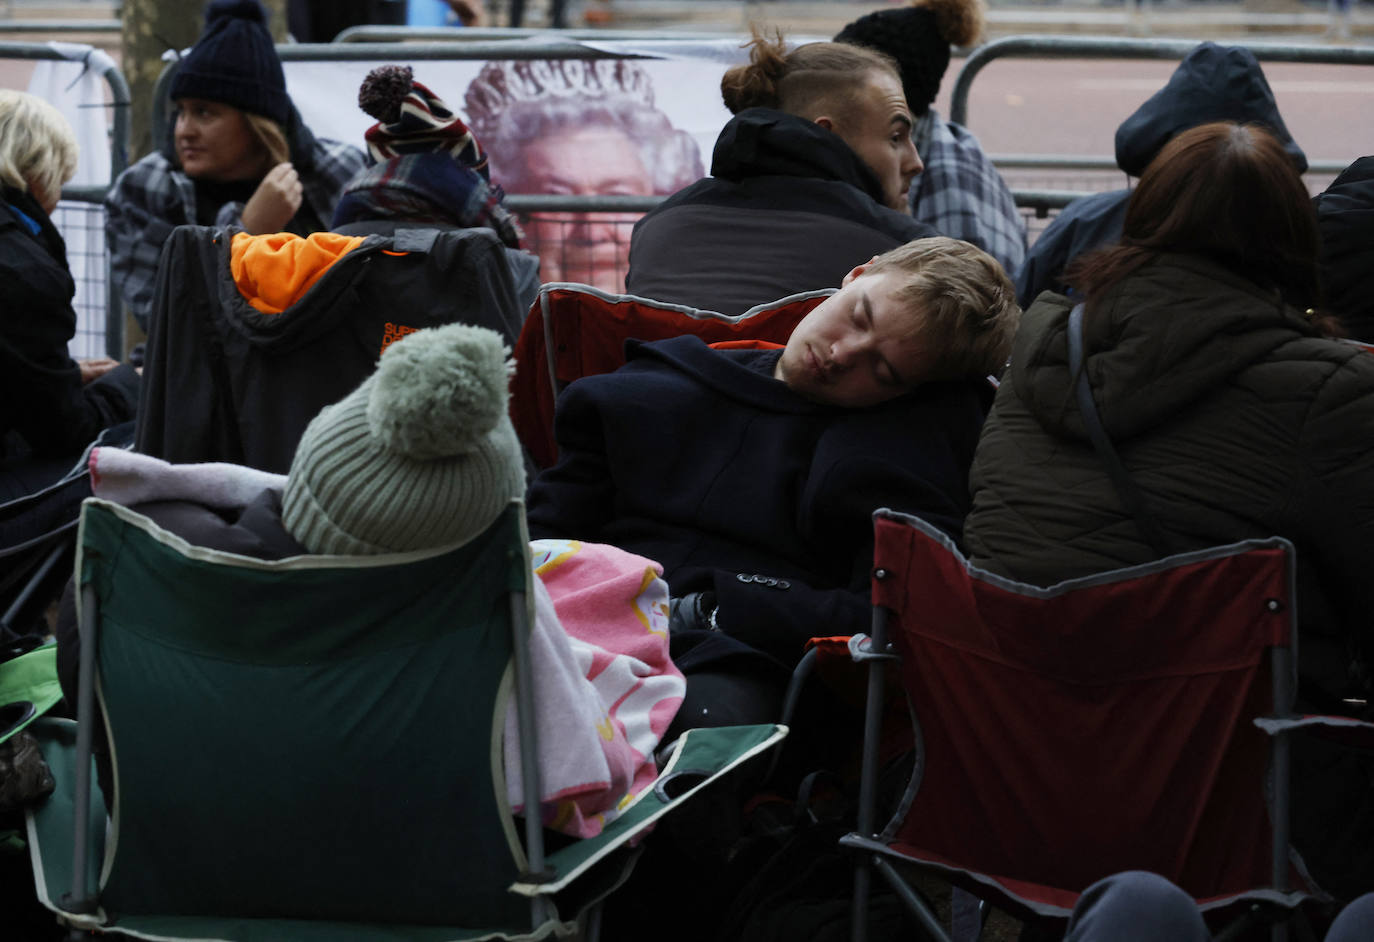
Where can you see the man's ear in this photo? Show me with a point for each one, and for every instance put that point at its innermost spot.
(826, 122)
(856, 271)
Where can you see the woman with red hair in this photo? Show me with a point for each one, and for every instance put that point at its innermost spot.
(1235, 415)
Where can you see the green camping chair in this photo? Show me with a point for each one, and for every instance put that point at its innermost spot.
(311, 748)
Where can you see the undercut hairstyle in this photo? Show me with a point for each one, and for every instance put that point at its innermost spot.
(38, 149)
(1227, 192)
(807, 82)
(966, 302)
(271, 136)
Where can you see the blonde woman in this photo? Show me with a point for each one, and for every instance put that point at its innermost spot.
(238, 155)
(51, 406)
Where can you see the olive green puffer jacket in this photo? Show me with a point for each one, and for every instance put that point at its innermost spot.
(1233, 418)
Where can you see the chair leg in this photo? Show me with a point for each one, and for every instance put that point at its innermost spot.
(593, 930)
(863, 880)
(914, 904)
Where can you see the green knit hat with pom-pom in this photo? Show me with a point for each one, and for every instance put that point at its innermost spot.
(421, 455)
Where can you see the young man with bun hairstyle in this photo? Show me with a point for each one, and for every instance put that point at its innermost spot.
(752, 474)
(808, 180)
(959, 192)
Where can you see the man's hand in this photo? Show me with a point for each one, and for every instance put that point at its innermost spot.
(693, 611)
(95, 368)
(469, 12)
(274, 202)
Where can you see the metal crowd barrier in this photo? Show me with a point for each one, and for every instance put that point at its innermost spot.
(1106, 47)
(79, 216)
(440, 34)
(59, 26)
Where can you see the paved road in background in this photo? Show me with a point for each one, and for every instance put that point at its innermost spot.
(1074, 107)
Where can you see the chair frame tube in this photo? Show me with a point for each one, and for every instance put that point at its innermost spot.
(82, 899)
(1280, 753)
(40, 573)
(868, 774)
(914, 904)
(540, 908)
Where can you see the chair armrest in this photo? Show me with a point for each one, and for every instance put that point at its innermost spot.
(1345, 730)
(702, 756)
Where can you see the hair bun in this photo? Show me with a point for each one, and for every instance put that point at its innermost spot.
(960, 22)
(384, 90)
(755, 85)
(239, 9)
(437, 392)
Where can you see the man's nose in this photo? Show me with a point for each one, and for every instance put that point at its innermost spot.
(911, 161)
(844, 351)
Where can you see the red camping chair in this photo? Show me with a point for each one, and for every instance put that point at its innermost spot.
(1108, 723)
(575, 330)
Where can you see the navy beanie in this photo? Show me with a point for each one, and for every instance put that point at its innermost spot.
(235, 62)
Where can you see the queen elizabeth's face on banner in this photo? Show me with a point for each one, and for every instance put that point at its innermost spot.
(583, 161)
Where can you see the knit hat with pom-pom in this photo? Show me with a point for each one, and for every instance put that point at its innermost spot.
(421, 455)
(411, 119)
(234, 62)
(918, 37)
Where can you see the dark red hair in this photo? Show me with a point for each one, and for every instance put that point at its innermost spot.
(1225, 191)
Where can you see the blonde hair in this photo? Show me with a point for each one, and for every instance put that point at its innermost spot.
(37, 146)
(967, 303)
(807, 81)
(271, 136)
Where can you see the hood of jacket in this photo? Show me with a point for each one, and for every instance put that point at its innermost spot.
(761, 142)
(1345, 216)
(299, 138)
(1214, 83)
(1164, 337)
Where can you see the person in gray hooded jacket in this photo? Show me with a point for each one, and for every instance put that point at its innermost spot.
(1213, 83)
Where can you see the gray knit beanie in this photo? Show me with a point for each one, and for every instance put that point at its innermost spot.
(422, 454)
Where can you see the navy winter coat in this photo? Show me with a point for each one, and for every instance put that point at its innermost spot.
(701, 460)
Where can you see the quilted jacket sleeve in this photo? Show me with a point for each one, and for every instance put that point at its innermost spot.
(1333, 500)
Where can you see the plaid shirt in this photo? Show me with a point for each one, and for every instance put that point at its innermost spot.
(152, 198)
(962, 195)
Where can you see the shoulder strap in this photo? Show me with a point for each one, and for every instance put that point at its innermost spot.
(1126, 489)
(414, 240)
